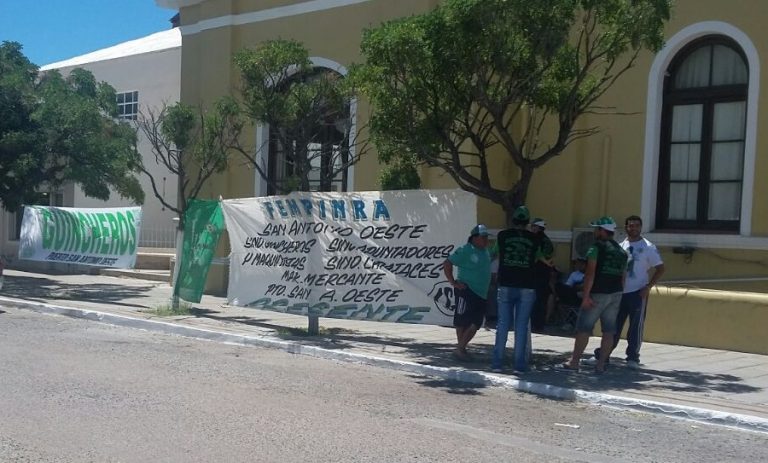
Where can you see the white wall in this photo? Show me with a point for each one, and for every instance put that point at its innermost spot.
(156, 76)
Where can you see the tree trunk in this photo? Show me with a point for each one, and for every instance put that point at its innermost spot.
(177, 267)
(181, 200)
(518, 194)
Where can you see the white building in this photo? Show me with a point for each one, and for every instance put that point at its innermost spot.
(146, 73)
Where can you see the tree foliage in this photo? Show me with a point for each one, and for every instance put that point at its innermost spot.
(307, 109)
(474, 79)
(55, 130)
(190, 143)
(401, 173)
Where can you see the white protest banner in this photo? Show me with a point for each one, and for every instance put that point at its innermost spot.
(103, 237)
(360, 255)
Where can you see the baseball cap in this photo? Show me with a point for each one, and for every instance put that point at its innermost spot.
(539, 222)
(479, 230)
(521, 215)
(605, 222)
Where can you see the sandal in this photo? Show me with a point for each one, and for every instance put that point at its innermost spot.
(600, 372)
(565, 366)
(460, 356)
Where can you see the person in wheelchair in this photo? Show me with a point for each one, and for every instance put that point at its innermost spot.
(564, 306)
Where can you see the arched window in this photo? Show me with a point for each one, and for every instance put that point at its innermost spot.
(701, 165)
(312, 153)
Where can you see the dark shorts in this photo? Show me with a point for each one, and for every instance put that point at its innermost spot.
(470, 309)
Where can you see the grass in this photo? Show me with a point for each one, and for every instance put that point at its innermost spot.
(284, 331)
(167, 310)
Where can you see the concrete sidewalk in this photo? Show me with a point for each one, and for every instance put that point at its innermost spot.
(719, 387)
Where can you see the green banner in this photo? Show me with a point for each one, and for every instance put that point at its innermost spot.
(103, 237)
(203, 224)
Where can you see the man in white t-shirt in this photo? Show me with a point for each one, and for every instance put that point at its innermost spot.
(644, 268)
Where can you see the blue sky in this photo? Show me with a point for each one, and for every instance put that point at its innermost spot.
(54, 30)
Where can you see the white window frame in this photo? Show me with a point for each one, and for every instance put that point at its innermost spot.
(262, 134)
(654, 106)
(132, 115)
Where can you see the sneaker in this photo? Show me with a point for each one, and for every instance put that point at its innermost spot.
(633, 364)
(592, 361)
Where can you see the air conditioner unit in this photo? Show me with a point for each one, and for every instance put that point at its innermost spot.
(582, 239)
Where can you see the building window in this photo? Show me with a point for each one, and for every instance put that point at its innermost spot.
(315, 158)
(701, 165)
(128, 105)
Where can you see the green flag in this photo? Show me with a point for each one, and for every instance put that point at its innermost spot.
(203, 224)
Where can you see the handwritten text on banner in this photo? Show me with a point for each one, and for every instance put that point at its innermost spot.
(360, 255)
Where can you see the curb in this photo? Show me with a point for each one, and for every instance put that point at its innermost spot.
(733, 420)
(148, 275)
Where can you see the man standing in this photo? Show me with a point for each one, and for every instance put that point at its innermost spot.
(470, 286)
(603, 285)
(643, 256)
(518, 250)
(543, 274)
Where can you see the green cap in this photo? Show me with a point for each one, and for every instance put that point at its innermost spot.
(605, 222)
(521, 215)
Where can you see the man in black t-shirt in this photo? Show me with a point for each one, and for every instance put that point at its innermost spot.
(603, 285)
(518, 250)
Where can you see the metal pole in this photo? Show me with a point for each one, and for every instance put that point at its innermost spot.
(314, 325)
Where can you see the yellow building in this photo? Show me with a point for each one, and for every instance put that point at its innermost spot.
(685, 155)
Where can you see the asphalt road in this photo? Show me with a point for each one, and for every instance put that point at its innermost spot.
(79, 391)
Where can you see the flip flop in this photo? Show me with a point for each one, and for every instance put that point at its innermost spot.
(566, 367)
(460, 357)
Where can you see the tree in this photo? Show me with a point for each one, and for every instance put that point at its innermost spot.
(308, 112)
(55, 130)
(477, 79)
(400, 174)
(190, 143)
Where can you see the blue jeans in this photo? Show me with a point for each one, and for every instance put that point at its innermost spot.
(514, 304)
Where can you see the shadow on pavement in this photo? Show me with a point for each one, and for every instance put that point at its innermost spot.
(618, 376)
(47, 290)
(437, 354)
(450, 386)
(433, 351)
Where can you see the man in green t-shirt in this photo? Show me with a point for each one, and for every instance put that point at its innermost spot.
(470, 285)
(603, 286)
